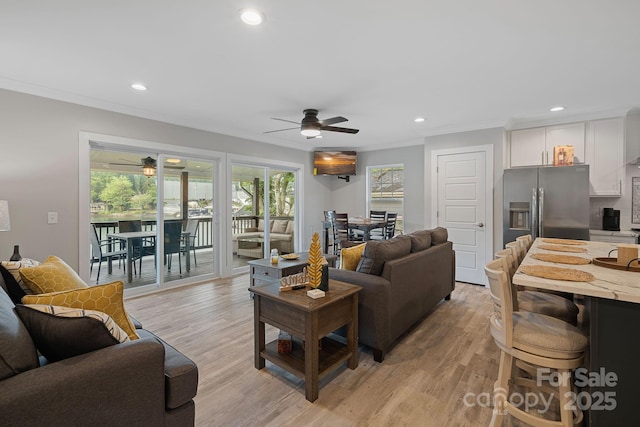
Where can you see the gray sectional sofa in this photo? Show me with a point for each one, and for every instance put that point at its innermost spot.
(402, 280)
(144, 382)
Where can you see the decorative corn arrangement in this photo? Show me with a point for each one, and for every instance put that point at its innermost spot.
(315, 262)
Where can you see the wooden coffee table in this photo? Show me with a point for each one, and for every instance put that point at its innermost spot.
(309, 320)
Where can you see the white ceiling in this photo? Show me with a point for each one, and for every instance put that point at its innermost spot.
(463, 64)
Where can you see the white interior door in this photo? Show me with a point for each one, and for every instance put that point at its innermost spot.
(462, 209)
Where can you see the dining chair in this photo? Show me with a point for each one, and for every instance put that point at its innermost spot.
(127, 226)
(98, 254)
(330, 217)
(192, 229)
(536, 341)
(378, 216)
(173, 242)
(343, 232)
(538, 301)
(390, 229)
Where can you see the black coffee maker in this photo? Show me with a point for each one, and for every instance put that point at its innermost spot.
(611, 219)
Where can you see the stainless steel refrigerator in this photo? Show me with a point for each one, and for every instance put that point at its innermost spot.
(546, 202)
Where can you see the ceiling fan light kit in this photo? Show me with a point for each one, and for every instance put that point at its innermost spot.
(312, 127)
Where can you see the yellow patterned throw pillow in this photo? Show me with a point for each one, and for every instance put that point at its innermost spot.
(350, 257)
(105, 298)
(53, 275)
(14, 267)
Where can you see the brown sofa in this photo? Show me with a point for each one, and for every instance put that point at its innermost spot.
(144, 382)
(402, 280)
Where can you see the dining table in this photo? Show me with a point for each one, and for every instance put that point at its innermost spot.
(130, 236)
(611, 301)
(366, 225)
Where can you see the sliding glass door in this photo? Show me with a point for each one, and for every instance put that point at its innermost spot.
(151, 213)
(263, 211)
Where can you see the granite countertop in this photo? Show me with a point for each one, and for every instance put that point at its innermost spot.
(609, 283)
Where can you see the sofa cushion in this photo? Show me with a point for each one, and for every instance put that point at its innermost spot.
(439, 235)
(376, 253)
(180, 373)
(420, 240)
(290, 226)
(17, 350)
(350, 257)
(279, 226)
(62, 332)
(261, 224)
(14, 267)
(53, 275)
(106, 298)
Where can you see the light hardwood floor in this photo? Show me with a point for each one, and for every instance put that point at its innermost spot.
(422, 381)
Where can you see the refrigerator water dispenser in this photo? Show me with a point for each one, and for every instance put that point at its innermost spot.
(519, 216)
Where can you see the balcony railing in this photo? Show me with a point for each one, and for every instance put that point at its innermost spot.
(205, 224)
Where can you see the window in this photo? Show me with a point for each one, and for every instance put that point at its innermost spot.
(385, 186)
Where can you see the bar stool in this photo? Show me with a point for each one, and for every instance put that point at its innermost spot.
(527, 240)
(538, 301)
(519, 248)
(535, 340)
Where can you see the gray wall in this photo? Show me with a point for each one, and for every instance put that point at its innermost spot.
(351, 197)
(39, 172)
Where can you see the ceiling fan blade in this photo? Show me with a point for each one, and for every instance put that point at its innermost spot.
(333, 121)
(126, 164)
(283, 120)
(280, 130)
(339, 129)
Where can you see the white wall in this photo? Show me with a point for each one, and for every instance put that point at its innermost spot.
(39, 167)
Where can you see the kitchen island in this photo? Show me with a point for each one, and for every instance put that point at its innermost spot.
(612, 312)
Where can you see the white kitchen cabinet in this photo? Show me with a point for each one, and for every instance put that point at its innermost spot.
(534, 147)
(571, 134)
(527, 147)
(605, 156)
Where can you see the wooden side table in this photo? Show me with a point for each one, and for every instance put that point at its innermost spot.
(308, 319)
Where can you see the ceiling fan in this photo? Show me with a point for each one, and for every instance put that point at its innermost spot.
(311, 127)
(148, 165)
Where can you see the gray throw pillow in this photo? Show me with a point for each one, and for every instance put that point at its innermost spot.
(280, 226)
(439, 235)
(377, 252)
(59, 338)
(420, 240)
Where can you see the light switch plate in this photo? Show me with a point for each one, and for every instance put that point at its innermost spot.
(52, 217)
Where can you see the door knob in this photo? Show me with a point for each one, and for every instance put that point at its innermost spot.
(480, 225)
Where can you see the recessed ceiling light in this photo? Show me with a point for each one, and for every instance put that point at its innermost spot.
(557, 108)
(173, 161)
(251, 16)
(419, 119)
(139, 86)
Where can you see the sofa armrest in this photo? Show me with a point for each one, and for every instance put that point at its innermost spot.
(373, 306)
(250, 230)
(121, 383)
